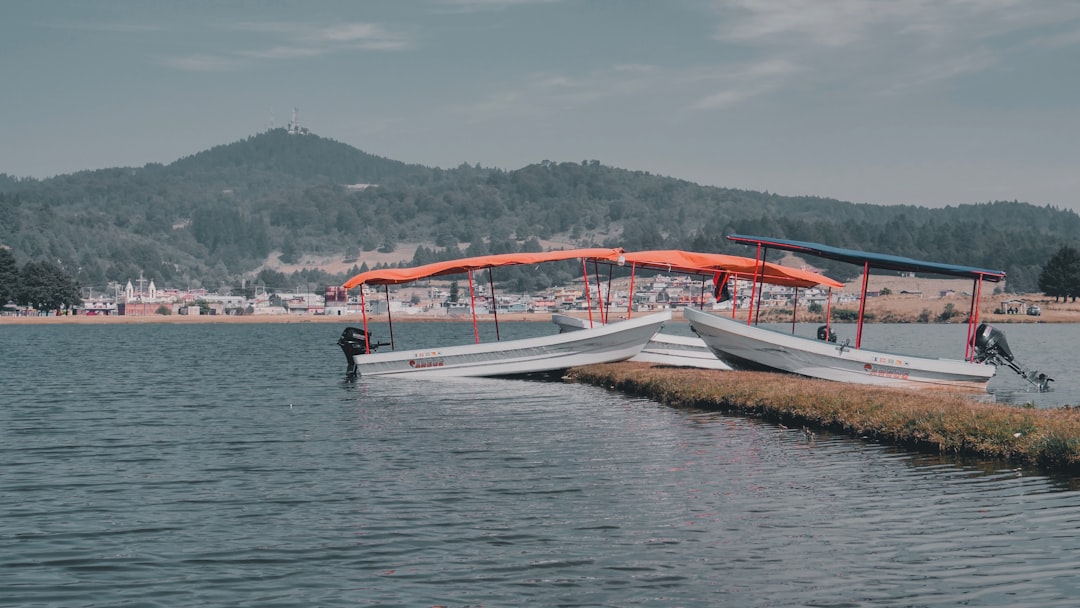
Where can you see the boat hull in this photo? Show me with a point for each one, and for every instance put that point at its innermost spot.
(747, 347)
(606, 344)
(662, 349)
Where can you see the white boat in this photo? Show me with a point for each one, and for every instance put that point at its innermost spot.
(663, 348)
(691, 351)
(606, 344)
(746, 346)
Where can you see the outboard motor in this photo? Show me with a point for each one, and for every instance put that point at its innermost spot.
(354, 341)
(825, 333)
(992, 347)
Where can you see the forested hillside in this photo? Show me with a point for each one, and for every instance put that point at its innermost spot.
(212, 218)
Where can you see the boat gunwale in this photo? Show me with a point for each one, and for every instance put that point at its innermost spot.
(979, 374)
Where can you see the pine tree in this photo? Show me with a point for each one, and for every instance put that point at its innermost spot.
(9, 276)
(45, 286)
(1060, 276)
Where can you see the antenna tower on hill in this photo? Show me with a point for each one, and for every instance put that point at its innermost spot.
(294, 124)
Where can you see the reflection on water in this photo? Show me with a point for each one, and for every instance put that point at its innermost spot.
(233, 465)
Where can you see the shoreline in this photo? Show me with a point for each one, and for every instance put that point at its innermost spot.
(936, 422)
(255, 319)
(883, 312)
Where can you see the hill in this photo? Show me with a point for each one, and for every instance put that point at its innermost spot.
(259, 208)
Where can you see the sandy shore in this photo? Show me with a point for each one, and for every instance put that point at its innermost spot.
(183, 319)
(889, 309)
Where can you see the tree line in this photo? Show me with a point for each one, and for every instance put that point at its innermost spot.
(1060, 276)
(213, 218)
(41, 285)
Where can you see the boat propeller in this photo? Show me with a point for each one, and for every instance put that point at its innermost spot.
(354, 341)
(992, 347)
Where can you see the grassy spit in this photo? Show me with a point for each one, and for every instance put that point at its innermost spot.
(925, 420)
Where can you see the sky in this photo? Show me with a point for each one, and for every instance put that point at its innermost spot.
(919, 102)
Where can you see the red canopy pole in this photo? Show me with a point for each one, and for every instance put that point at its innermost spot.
(588, 297)
(607, 300)
(630, 300)
(718, 288)
(862, 302)
(828, 311)
(494, 304)
(735, 297)
(794, 311)
(389, 318)
(363, 311)
(759, 277)
(973, 315)
(599, 296)
(472, 301)
(753, 287)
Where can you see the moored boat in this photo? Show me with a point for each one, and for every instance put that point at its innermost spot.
(748, 346)
(723, 270)
(663, 348)
(604, 344)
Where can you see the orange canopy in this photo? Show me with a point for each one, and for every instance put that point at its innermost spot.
(394, 276)
(712, 263)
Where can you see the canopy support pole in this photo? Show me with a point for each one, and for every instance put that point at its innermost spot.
(599, 296)
(794, 311)
(588, 296)
(759, 278)
(828, 312)
(607, 300)
(630, 299)
(973, 316)
(862, 302)
(472, 302)
(363, 311)
(735, 298)
(389, 317)
(494, 305)
(753, 287)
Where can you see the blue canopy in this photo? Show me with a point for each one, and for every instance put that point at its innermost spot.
(875, 260)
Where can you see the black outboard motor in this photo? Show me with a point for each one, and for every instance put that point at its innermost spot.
(992, 347)
(825, 333)
(354, 341)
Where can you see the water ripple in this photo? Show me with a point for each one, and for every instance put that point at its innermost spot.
(269, 481)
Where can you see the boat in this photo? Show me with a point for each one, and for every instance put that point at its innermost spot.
(748, 346)
(662, 349)
(604, 344)
(691, 351)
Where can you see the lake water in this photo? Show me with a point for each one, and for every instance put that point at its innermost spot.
(231, 465)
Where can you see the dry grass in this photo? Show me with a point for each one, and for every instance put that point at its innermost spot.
(930, 421)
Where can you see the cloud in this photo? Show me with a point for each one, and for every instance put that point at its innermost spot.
(886, 47)
(283, 52)
(109, 27)
(203, 63)
(282, 41)
(823, 23)
(947, 68)
(474, 6)
(723, 99)
(1061, 40)
(735, 84)
(851, 49)
(541, 93)
(370, 36)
